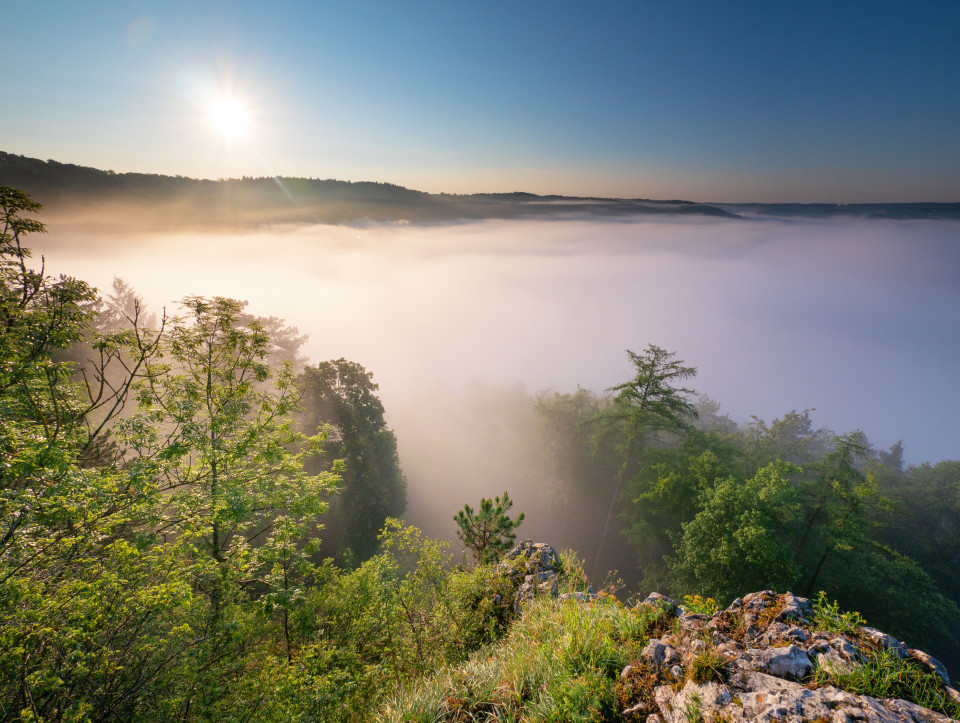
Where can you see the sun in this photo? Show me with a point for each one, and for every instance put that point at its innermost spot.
(229, 117)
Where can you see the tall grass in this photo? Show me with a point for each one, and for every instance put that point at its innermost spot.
(560, 661)
(884, 674)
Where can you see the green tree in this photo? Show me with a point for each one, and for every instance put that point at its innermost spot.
(709, 419)
(578, 473)
(741, 539)
(838, 504)
(122, 309)
(285, 341)
(652, 402)
(215, 434)
(842, 548)
(90, 611)
(342, 394)
(216, 426)
(488, 532)
(792, 439)
(667, 492)
(582, 466)
(924, 520)
(647, 411)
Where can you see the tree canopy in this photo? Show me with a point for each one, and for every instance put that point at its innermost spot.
(342, 395)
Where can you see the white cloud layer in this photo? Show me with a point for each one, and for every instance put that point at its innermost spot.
(858, 319)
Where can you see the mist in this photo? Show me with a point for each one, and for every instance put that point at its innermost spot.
(857, 319)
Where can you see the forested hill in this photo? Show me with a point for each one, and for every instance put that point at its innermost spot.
(164, 201)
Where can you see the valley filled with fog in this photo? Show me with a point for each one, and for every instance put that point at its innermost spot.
(855, 319)
(463, 325)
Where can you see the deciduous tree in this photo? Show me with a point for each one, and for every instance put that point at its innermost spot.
(215, 428)
(343, 394)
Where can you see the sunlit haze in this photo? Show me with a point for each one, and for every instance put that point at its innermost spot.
(855, 318)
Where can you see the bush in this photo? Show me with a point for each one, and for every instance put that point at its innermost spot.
(399, 616)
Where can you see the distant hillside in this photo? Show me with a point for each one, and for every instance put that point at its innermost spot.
(898, 211)
(79, 191)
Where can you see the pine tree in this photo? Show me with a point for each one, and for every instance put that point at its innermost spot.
(489, 531)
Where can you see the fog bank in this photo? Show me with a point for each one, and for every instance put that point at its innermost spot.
(858, 319)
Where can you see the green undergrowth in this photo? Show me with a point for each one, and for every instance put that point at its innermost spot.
(356, 635)
(828, 616)
(407, 627)
(883, 673)
(560, 662)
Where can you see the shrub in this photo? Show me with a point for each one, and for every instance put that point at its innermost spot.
(398, 617)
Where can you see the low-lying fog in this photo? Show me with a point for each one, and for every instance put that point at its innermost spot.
(858, 319)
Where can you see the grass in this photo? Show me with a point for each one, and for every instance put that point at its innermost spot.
(693, 710)
(885, 674)
(708, 666)
(560, 661)
(828, 617)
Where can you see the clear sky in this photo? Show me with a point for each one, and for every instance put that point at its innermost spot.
(840, 101)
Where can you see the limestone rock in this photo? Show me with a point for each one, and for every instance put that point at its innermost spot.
(580, 597)
(779, 632)
(691, 701)
(658, 654)
(932, 663)
(789, 662)
(662, 602)
(833, 662)
(534, 563)
(795, 609)
(538, 554)
(905, 710)
(753, 696)
(887, 641)
(763, 655)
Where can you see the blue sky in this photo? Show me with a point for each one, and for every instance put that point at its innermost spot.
(718, 101)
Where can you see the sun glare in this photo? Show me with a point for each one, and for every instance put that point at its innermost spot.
(229, 117)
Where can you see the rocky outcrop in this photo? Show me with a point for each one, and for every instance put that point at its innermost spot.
(763, 659)
(533, 566)
(767, 657)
